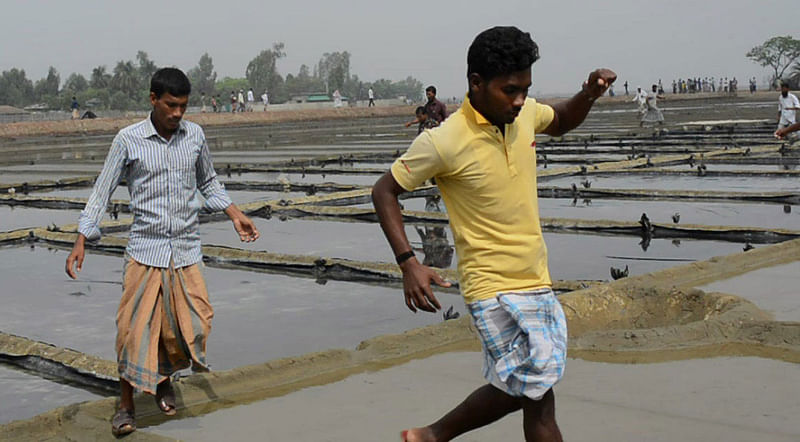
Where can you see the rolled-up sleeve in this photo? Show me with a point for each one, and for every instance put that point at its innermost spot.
(213, 191)
(107, 182)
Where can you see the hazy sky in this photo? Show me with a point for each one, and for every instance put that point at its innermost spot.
(642, 40)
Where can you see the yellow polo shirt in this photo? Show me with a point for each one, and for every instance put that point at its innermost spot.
(488, 183)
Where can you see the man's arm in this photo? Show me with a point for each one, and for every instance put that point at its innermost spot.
(92, 214)
(782, 132)
(218, 200)
(416, 277)
(569, 114)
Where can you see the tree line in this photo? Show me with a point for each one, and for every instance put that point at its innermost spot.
(127, 85)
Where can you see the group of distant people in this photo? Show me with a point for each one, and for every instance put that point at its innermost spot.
(708, 84)
(241, 102)
(431, 114)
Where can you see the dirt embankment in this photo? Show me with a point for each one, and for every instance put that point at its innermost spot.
(110, 125)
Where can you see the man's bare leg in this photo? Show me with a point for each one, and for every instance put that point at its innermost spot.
(539, 419)
(484, 406)
(126, 395)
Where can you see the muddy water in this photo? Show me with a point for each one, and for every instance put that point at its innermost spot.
(358, 241)
(707, 183)
(16, 217)
(238, 196)
(271, 177)
(707, 213)
(590, 257)
(30, 177)
(571, 256)
(773, 289)
(24, 395)
(731, 399)
(738, 167)
(251, 309)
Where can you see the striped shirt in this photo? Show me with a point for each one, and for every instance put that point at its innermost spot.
(163, 179)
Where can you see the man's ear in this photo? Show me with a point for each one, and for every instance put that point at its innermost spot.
(153, 98)
(475, 82)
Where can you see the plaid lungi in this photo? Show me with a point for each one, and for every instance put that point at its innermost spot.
(524, 337)
(163, 321)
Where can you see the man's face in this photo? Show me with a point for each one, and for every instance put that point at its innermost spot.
(500, 100)
(168, 109)
(785, 91)
(430, 95)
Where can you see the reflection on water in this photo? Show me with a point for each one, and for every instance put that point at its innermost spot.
(435, 245)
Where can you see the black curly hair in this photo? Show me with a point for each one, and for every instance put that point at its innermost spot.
(499, 51)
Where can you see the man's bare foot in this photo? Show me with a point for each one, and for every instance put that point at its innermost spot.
(418, 435)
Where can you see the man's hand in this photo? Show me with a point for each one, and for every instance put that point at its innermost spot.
(417, 286)
(76, 255)
(244, 226)
(598, 83)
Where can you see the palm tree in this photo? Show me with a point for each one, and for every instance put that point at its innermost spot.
(125, 79)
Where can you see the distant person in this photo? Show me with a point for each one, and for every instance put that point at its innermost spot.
(251, 99)
(202, 102)
(337, 98)
(74, 107)
(674, 87)
(788, 105)
(626, 88)
(265, 99)
(240, 101)
(423, 119)
(233, 101)
(214, 105)
(652, 113)
(640, 98)
(371, 95)
(434, 108)
(481, 158)
(164, 316)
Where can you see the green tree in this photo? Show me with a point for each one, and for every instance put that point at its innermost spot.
(120, 101)
(303, 82)
(262, 71)
(100, 78)
(145, 69)
(49, 86)
(202, 76)
(76, 83)
(125, 80)
(334, 70)
(15, 88)
(778, 53)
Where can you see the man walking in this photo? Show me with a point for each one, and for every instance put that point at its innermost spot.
(371, 95)
(164, 316)
(483, 158)
(434, 108)
(251, 99)
(788, 105)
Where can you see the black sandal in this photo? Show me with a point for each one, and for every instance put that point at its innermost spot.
(165, 398)
(123, 422)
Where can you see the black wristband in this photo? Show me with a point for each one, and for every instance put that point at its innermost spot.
(405, 256)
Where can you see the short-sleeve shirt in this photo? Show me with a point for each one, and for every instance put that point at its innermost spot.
(784, 107)
(488, 184)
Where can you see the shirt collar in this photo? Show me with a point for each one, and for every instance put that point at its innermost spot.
(473, 114)
(150, 129)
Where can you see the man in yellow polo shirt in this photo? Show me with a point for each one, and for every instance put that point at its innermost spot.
(483, 158)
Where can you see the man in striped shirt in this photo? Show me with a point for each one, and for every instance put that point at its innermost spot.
(164, 316)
